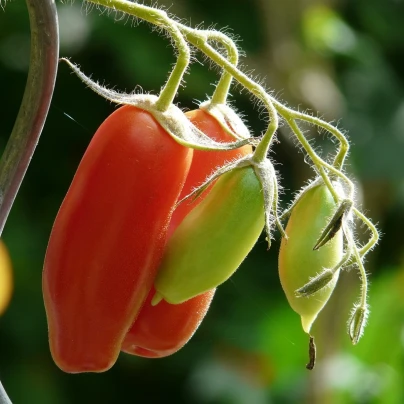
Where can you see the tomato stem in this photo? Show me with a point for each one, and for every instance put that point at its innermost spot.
(199, 39)
(222, 89)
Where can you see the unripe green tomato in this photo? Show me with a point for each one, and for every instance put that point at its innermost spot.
(214, 238)
(298, 262)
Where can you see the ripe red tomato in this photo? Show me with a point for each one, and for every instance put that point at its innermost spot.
(108, 238)
(162, 330)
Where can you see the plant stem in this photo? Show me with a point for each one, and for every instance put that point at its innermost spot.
(193, 37)
(159, 18)
(33, 110)
(375, 235)
(222, 89)
(4, 399)
(35, 103)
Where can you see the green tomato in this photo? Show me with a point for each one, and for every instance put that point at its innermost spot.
(298, 262)
(213, 239)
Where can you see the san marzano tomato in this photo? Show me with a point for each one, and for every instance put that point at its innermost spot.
(108, 238)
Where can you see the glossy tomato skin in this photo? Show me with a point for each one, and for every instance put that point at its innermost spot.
(162, 330)
(108, 238)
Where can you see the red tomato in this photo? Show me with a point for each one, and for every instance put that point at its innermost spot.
(162, 330)
(108, 238)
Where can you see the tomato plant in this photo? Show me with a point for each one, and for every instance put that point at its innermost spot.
(108, 238)
(163, 329)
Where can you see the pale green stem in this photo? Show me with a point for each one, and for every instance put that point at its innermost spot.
(271, 103)
(193, 37)
(161, 19)
(222, 89)
(375, 235)
(317, 161)
(199, 40)
(358, 259)
(344, 144)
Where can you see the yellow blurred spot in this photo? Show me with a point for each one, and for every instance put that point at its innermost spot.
(6, 278)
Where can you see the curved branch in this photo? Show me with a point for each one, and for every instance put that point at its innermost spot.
(3, 396)
(35, 103)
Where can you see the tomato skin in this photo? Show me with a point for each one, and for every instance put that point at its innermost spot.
(162, 330)
(298, 262)
(108, 238)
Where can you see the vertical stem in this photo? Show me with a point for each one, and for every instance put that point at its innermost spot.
(33, 110)
(173, 83)
(35, 103)
(222, 89)
(3, 396)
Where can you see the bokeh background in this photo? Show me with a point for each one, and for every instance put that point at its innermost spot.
(342, 58)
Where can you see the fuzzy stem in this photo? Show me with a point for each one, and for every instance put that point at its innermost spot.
(317, 161)
(375, 235)
(161, 19)
(357, 257)
(222, 89)
(193, 37)
(344, 144)
(199, 40)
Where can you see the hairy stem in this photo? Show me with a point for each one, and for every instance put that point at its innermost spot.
(222, 89)
(159, 18)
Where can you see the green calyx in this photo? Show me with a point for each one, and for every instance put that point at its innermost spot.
(172, 119)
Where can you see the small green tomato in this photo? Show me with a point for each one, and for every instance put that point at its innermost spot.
(213, 239)
(298, 262)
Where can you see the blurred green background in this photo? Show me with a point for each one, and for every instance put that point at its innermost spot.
(342, 58)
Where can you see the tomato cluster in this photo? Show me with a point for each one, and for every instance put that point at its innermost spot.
(109, 238)
(150, 227)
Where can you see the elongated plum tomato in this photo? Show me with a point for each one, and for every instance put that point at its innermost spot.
(213, 239)
(108, 238)
(162, 330)
(6, 278)
(297, 260)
